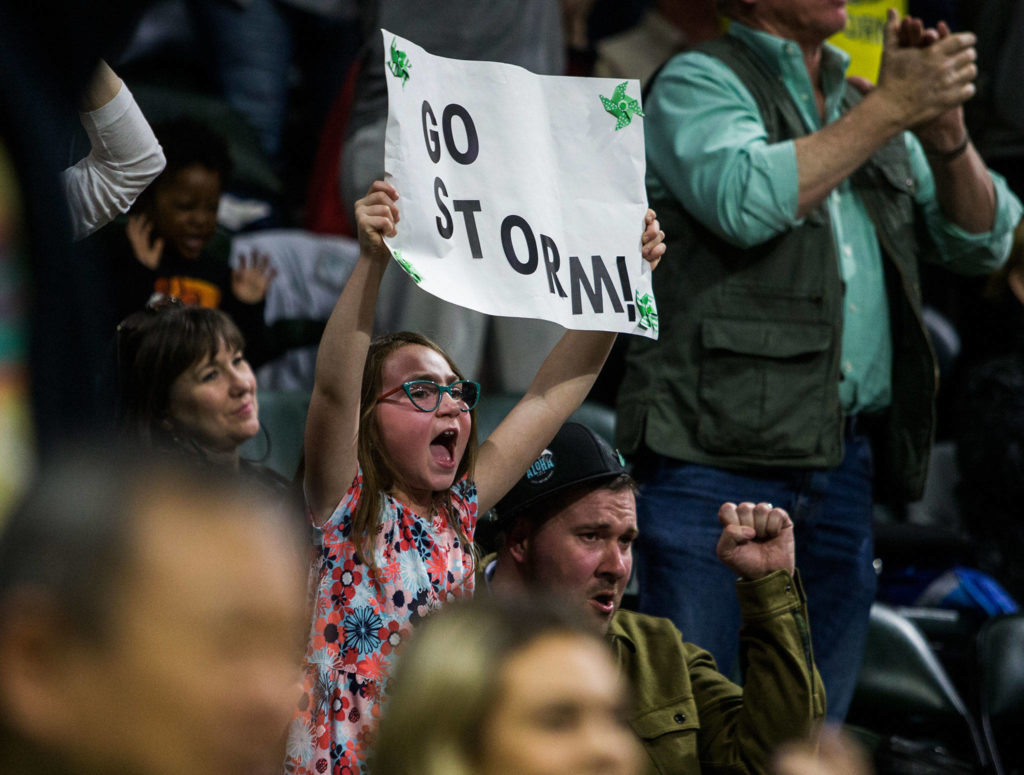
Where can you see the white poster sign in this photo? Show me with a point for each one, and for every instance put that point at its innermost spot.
(521, 195)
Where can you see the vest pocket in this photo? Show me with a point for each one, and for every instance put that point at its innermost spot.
(763, 387)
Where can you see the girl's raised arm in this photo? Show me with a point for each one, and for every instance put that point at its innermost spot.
(332, 425)
(562, 383)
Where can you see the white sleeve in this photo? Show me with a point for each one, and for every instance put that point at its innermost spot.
(124, 159)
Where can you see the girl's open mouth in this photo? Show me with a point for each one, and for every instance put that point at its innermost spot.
(443, 447)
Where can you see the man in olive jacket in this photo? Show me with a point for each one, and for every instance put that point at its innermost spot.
(569, 525)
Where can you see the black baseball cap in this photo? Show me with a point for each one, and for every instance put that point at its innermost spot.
(576, 455)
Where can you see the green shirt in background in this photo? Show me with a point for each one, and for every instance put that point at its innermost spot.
(710, 152)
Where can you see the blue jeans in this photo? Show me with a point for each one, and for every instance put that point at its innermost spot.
(681, 578)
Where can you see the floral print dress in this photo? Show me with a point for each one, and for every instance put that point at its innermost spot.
(361, 617)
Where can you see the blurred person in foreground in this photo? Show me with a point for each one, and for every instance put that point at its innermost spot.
(568, 528)
(830, 752)
(151, 621)
(510, 685)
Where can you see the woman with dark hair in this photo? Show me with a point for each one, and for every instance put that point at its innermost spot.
(187, 389)
(179, 366)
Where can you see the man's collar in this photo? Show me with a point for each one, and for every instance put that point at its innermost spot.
(618, 636)
(775, 50)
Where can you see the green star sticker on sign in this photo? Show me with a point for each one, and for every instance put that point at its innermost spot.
(416, 277)
(621, 106)
(399, 64)
(648, 313)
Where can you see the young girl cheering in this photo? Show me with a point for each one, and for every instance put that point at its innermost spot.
(394, 481)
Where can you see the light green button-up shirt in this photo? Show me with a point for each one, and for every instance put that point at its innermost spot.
(707, 147)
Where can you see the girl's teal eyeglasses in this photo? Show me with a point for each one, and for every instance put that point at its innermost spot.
(426, 394)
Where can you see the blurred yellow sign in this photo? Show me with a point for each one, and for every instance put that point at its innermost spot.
(862, 38)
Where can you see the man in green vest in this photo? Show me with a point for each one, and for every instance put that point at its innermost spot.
(792, 364)
(568, 527)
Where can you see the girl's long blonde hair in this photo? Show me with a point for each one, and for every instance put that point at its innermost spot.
(378, 475)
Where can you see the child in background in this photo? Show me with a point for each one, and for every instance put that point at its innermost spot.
(172, 245)
(394, 481)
